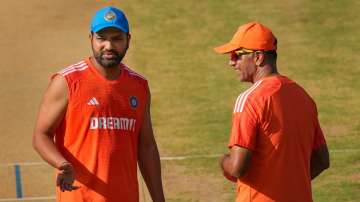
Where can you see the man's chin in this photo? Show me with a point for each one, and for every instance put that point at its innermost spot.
(241, 78)
(109, 63)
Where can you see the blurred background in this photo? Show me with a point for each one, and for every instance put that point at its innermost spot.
(193, 90)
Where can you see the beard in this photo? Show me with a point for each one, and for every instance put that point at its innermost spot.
(109, 63)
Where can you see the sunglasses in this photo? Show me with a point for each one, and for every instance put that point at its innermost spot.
(235, 55)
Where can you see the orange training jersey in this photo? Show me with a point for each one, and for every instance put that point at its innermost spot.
(99, 133)
(277, 120)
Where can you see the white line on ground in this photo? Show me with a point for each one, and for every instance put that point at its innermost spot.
(344, 150)
(40, 198)
(169, 158)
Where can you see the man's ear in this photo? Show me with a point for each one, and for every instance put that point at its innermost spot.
(259, 58)
(91, 36)
(128, 42)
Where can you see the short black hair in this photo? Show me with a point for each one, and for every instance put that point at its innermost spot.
(271, 55)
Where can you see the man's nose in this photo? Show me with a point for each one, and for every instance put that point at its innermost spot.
(232, 63)
(108, 45)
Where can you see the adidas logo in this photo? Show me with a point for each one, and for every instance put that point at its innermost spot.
(93, 101)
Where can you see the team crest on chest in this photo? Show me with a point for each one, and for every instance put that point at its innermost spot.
(133, 102)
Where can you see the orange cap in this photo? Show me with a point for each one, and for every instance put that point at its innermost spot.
(253, 35)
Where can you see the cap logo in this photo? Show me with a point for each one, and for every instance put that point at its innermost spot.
(109, 16)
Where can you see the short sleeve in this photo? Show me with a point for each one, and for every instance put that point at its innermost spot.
(319, 138)
(244, 127)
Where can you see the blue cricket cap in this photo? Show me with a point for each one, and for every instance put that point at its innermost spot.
(109, 17)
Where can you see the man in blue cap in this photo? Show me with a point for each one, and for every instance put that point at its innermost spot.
(94, 123)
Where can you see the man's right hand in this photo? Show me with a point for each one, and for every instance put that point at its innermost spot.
(66, 177)
(225, 174)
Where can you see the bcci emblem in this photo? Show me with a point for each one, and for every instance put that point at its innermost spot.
(109, 16)
(133, 102)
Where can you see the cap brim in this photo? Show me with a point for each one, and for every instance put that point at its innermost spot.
(226, 48)
(101, 27)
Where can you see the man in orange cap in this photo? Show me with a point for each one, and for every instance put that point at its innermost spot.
(276, 144)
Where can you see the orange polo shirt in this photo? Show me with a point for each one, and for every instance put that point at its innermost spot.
(277, 120)
(99, 133)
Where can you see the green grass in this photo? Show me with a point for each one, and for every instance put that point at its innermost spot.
(341, 182)
(193, 90)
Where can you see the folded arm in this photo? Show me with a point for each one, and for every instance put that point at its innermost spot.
(235, 164)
